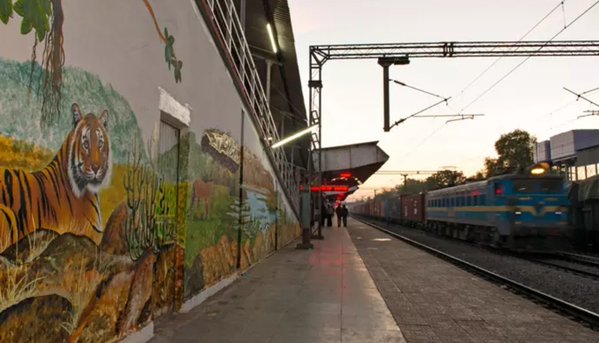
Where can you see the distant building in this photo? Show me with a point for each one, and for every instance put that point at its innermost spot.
(576, 152)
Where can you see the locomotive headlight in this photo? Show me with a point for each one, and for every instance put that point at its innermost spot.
(558, 213)
(518, 212)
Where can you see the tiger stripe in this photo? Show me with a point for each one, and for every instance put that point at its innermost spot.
(61, 197)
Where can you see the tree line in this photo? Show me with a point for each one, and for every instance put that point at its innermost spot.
(514, 155)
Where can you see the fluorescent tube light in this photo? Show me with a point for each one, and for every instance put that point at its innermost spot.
(293, 136)
(271, 35)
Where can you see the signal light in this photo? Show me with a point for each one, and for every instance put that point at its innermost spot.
(325, 188)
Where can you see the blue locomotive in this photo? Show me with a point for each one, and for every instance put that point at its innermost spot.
(516, 211)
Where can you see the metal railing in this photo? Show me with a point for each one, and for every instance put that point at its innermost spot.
(226, 20)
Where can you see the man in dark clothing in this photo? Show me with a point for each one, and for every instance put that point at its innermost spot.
(330, 213)
(339, 212)
(344, 213)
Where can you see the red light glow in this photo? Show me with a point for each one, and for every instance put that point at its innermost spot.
(326, 188)
(345, 175)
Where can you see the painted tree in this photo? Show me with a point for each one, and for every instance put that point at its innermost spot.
(46, 18)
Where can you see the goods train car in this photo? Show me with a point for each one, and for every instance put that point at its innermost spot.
(412, 209)
(511, 211)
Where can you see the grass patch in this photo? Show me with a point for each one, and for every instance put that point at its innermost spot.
(16, 286)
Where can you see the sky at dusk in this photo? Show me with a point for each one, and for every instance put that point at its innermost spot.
(531, 98)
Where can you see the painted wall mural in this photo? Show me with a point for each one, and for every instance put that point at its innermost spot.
(110, 217)
(74, 247)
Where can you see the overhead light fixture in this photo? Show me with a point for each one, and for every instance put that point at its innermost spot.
(293, 136)
(271, 35)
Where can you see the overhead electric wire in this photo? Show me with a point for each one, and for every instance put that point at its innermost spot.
(527, 58)
(418, 89)
(418, 112)
(589, 91)
(521, 38)
(579, 96)
(443, 100)
(561, 3)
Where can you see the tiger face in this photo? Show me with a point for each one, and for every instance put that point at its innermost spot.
(89, 153)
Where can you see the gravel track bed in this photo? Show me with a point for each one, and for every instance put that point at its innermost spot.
(570, 264)
(576, 289)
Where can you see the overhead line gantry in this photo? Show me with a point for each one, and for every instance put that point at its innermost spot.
(388, 54)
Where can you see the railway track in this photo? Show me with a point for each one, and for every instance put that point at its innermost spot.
(583, 315)
(559, 264)
(589, 260)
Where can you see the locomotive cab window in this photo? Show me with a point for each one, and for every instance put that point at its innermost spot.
(529, 186)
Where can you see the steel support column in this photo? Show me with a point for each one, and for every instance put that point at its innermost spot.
(315, 108)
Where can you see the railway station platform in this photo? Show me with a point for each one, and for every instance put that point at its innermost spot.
(362, 285)
(321, 295)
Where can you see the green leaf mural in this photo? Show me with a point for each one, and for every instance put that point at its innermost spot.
(36, 14)
(5, 10)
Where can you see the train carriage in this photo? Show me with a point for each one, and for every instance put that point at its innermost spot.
(412, 209)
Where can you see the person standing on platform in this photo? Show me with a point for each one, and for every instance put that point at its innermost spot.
(330, 213)
(339, 212)
(344, 213)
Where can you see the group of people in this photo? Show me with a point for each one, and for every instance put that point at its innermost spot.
(328, 212)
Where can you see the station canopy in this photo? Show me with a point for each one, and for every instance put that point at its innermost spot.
(349, 166)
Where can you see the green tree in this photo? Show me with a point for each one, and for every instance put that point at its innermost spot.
(514, 152)
(411, 186)
(445, 178)
(491, 167)
(480, 175)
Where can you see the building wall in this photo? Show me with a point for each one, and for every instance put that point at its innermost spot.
(124, 202)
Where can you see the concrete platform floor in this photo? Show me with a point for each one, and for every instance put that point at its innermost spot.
(321, 295)
(435, 301)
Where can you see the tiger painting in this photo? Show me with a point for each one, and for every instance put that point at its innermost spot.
(63, 196)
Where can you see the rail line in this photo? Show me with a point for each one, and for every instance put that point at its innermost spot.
(579, 313)
(565, 268)
(589, 260)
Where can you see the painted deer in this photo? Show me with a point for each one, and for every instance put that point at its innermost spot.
(202, 192)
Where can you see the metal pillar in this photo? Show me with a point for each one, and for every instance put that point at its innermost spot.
(385, 96)
(315, 85)
(386, 62)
